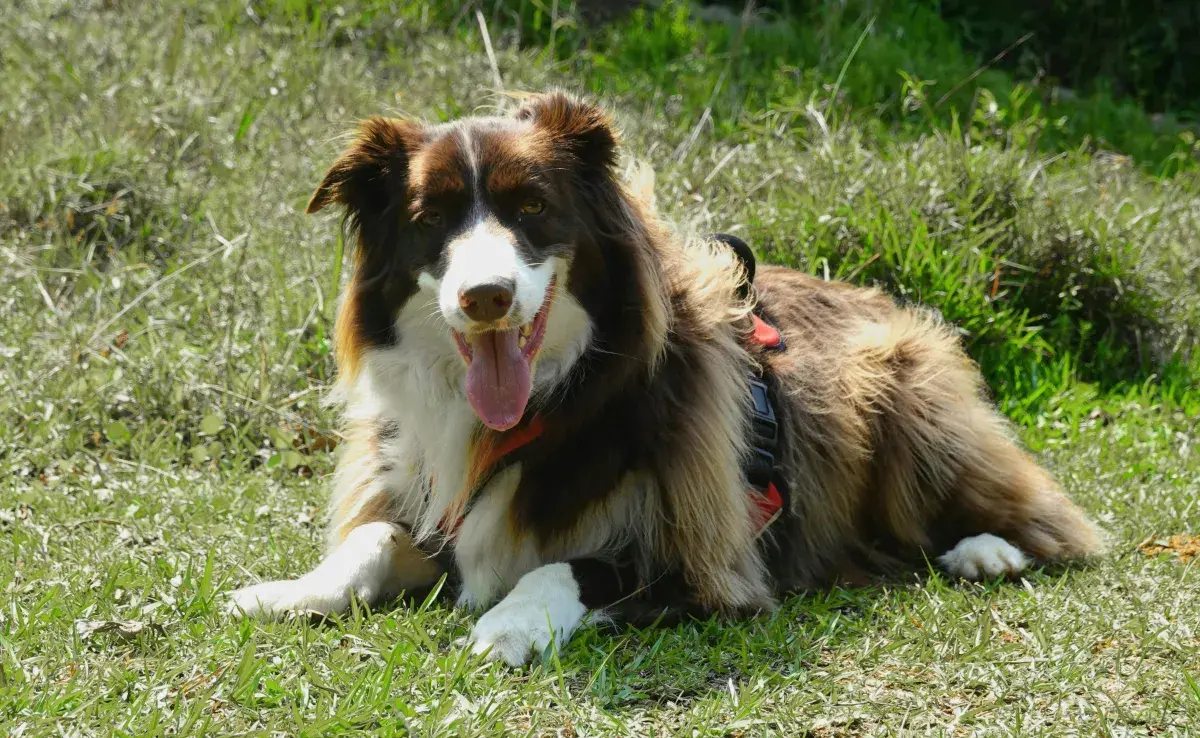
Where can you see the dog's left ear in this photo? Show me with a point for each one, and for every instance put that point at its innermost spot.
(579, 126)
(375, 161)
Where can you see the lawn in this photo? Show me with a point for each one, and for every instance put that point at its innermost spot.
(165, 317)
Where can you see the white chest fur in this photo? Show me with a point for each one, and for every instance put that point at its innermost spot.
(490, 553)
(418, 386)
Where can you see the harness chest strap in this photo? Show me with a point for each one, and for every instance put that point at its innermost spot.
(507, 443)
(761, 469)
(768, 501)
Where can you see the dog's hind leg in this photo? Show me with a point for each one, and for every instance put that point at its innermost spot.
(1017, 515)
(950, 478)
(372, 554)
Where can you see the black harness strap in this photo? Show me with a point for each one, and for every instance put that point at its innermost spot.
(761, 466)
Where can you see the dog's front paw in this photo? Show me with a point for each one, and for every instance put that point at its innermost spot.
(511, 629)
(543, 606)
(273, 600)
(984, 557)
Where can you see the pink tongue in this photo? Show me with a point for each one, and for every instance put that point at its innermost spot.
(498, 380)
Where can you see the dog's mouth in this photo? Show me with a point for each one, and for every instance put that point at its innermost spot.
(500, 366)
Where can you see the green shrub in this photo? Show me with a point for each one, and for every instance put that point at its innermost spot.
(859, 53)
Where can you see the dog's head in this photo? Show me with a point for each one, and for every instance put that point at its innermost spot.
(474, 227)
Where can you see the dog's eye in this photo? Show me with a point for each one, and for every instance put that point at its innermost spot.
(430, 218)
(533, 206)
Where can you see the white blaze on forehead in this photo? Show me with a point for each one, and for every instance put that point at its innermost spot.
(468, 149)
(486, 252)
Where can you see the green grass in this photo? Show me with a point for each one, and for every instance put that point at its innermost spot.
(165, 316)
(894, 67)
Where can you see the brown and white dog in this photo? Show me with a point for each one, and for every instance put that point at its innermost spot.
(547, 397)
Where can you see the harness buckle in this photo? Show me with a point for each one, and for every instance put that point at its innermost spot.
(764, 424)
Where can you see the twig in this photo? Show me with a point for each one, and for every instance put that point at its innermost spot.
(858, 269)
(487, 44)
(982, 69)
(199, 681)
(159, 283)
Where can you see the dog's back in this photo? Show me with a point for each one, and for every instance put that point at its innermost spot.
(894, 450)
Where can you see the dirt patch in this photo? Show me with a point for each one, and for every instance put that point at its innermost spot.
(1185, 547)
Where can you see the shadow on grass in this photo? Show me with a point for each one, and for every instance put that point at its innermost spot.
(680, 655)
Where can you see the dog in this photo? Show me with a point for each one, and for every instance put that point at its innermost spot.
(558, 402)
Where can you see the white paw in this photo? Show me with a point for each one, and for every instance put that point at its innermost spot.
(273, 600)
(469, 599)
(544, 606)
(510, 630)
(984, 557)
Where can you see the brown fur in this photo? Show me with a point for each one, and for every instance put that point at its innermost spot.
(894, 449)
(377, 160)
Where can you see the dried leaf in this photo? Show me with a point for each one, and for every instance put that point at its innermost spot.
(1185, 547)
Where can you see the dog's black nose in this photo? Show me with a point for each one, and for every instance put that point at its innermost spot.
(488, 302)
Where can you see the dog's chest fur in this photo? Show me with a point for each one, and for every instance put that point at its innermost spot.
(414, 390)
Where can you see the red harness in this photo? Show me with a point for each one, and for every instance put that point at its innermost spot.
(768, 502)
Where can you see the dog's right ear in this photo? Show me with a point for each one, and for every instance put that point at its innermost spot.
(370, 167)
(578, 126)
